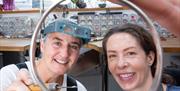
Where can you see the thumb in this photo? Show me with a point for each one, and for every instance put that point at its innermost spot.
(17, 85)
(24, 76)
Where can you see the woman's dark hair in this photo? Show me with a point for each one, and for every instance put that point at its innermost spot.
(140, 34)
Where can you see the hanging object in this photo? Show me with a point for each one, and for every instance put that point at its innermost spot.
(74, 1)
(80, 4)
(102, 3)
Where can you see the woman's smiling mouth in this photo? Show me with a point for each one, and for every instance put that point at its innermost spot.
(126, 76)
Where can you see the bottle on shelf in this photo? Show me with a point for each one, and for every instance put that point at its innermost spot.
(8, 5)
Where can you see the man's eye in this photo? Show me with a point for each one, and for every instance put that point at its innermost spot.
(57, 44)
(76, 47)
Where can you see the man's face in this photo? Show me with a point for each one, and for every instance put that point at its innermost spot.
(59, 52)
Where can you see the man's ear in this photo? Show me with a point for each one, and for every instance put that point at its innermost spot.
(42, 45)
(150, 58)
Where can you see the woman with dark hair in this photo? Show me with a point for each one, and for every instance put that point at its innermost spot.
(131, 57)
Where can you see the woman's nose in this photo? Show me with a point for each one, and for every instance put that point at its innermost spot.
(122, 63)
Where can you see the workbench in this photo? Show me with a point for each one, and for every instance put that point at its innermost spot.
(13, 50)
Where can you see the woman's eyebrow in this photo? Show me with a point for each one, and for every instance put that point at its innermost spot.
(114, 51)
(129, 48)
(111, 51)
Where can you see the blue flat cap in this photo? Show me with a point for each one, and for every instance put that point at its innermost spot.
(69, 27)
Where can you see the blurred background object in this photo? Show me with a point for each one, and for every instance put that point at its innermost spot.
(102, 3)
(8, 5)
(1, 7)
(80, 4)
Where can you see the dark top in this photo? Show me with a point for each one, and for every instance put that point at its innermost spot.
(172, 88)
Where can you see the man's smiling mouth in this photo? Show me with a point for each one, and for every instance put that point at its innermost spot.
(61, 61)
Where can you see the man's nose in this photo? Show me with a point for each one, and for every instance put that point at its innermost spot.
(65, 52)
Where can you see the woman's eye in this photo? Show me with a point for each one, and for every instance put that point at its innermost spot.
(111, 56)
(131, 53)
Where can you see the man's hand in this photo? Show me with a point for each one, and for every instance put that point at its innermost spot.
(22, 81)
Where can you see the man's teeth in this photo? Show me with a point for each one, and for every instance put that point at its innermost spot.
(62, 62)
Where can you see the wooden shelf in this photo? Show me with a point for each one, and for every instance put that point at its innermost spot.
(20, 11)
(92, 9)
(61, 10)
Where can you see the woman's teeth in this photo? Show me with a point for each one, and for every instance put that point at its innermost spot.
(127, 76)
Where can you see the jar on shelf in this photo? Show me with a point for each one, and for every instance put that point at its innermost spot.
(8, 4)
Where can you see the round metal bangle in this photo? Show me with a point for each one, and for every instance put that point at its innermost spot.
(33, 46)
(154, 33)
(157, 78)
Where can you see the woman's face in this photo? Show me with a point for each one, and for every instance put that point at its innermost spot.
(128, 63)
